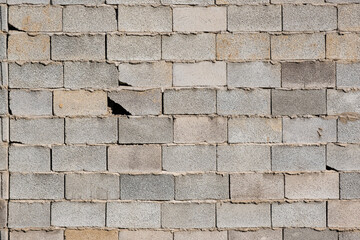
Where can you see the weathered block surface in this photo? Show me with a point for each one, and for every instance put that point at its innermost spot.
(144, 19)
(188, 215)
(250, 186)
(200, 129)
(147, 187)
(204, 186)
(243, 46)
(145, 130)
(243, 215)
(254, 18)
(134, 158)
(299, 214)
(259, 130)
(92, 186)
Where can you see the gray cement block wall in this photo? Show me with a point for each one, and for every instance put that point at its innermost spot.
(179, 119)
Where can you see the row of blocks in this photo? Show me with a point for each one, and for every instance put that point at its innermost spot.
(273, 234)
(261, 102)
(170, 2)
(180, 158)
(101, 75)
(247, 18)
(165, 187)
(179, 47)
(182, 129)
(334, 214)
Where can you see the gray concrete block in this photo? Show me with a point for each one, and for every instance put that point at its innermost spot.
(349, 235)
(231, 215)
(133, 2)
(309, 18)
(147, 187)
(23, 47)
(133, 215)
(202, 186)
(254, 186)
(145, 130)
(266, 234)
(144, 19)
(309, 234)
(145, 235)
(3, 157)
(189, 47)
(137, 48)
(298, 46)
(299, 214)
(243, 158)
(312, 186)
(76, 2)
(309, 130)
(35, 75)
(25, 215)
(199, 74)
(349, 131)
(298, 102)
(134, 158)
(251, 46)
(90, 75)
(240, 2)
(91, 130)
(192, 2)
(10, 2)
(189, 129)
(144, 102)
(79, 158)
(153, 74)
(308, 74)
(37, 131)
(77, 214)
(298, 158)
(350, 185)
(36, 18)
(200, 235)
(92, 186)
(340, 46)
(89, 19)
(189, 101)
(254, 74)
(29, 159)
(33, 103)
(348, 154)
(349, 17)
(339, 102)
(262, 130)
(3, 215)
(80, 103)
(36, 186)
(3, 101)
(188, 215)
(83, 47)
(200, 19)
(189, 158)
(243, 102)
(343, 214)
(254, 18)
(39, 235)
(348, 75)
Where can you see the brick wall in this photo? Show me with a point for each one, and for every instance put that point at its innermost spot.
(180, 119)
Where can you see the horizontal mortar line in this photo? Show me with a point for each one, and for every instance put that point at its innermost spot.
(196, 201)
(181, 173)
(153, 34)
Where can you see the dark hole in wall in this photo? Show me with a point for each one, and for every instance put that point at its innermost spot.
(116, 108)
